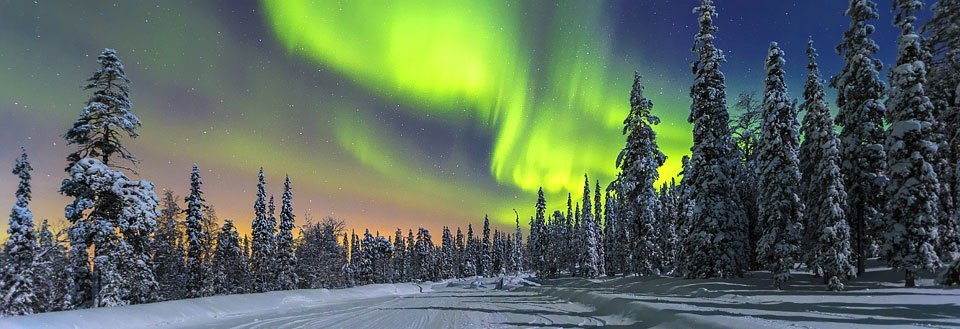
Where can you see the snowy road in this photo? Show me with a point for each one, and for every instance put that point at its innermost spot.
(445, 308)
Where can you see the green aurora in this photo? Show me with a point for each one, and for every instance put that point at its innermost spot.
(472, 61)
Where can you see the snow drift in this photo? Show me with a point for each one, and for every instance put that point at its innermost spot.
(198, 311)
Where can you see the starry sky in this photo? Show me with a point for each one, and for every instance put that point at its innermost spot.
(384, 113)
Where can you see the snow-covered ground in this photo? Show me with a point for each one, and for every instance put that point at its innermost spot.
(631, 302)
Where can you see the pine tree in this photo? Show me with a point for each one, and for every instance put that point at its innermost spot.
(470, 255)
(942, 39)
(615, 238)
(408, 256)
(598, 229)
(826, 233)
(263, 245)
(50, 271)
(485, 263)
(398, 263)
(781, 212)
(228, 265)
(285, 258)
(106, 116)
(18, 294)
(715, 243)
(746, 139)
(517, 251)
(114, 201)
(447, 255)
(167, 256)
(913, 208)
(460, 253)
(195, 236)
(639, 162)
(536, 251)
(590, 254)
(859, 96)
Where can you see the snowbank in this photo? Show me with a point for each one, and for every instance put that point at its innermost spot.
(198, 311)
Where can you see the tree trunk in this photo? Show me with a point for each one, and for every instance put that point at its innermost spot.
(911, 279)
(861, 253)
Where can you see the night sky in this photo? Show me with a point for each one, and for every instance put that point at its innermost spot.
(384, 113)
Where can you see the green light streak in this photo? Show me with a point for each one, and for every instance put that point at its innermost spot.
(468, 61)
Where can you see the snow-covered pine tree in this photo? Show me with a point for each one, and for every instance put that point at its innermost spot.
(639, 162)
(714, 245)
(460, 259)
(667, 224)
(577, 243)
(469, 256)
(398, 264)
(598, 229)
(114, 201)
(196, 271)
(911, 217)
(18, 272)
(423, 261)
(485, 263)
(617, 254)
(517, 251)
(50, 275)
(537, 237)
(589, 252)
(228, 267)
(746, 138)
(106, 116)
(106, 201)
(286, 260)
(826, 232)
(167, 256)
(447, 255)
(942, 39)
(781, 212)
(860, 92)
(408, 256)
(264, 243)
(496, 259)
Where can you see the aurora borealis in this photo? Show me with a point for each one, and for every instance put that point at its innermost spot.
(384, 113)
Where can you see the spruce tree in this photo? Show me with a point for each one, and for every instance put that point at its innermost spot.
(447, 254)
(485, 263)
(517, 251)
(18, 293)
(781, 212)
(589, 253)
(913, 208)
(195, 236)
(942, 40)
(460, 259)
(826, 232)
(398, 248)
(50, 271)
(715, 244)
(536, 251)
(598, 228)
(229, 267)
(285, 258)
(263, 244)
(167, 256)
(106, 117)
(105, 200)
(860, 92)
(639, 162)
